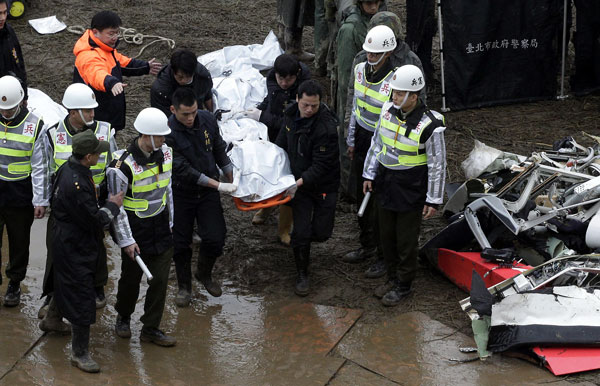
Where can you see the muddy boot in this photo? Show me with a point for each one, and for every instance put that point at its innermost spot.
(156, 336)
(80, 355)
(359, 255)
(100, 298)
(122, 328)
(383, 289)
(302, 259)
(396, 294)
(377, 269)
(293, 43)
(204, 275)
(284, 228)
(261, 216)
(44, 308)
(53, 322)
(184, 297)
(12, 298)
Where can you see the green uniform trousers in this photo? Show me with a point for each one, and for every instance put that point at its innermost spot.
(129, 286)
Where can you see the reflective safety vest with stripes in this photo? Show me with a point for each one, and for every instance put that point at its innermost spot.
(401, 151)
(16, 148)
(63, 148)
(149, 185)
(369, 97)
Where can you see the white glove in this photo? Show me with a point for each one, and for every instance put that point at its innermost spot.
(291, 191)
(252, 114)
(226, 187)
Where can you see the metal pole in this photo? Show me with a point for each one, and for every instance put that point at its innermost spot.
(439, 4)
(564, 55)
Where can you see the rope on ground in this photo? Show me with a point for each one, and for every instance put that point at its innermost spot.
(131, 36)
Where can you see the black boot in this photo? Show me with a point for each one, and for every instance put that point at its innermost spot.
(12, 298)
(53, 320)
(80, 355)
(293, 44)
(204, 275)
(302, 259)
(183, 269)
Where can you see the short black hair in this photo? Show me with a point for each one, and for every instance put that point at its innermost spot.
(183, 96)
(184, 61)
(78, 157)
(106, 19)
(286, 65)
(5, 2)
(310, 88)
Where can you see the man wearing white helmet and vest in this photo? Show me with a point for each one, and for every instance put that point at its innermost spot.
(371, 90)
(54, 148)
(144, 224)
(21, 128)
(406, 168)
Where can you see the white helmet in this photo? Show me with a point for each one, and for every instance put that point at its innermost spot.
(152, 121)
(380, 39)
(408, 78)
(11, 92)
(79, 96)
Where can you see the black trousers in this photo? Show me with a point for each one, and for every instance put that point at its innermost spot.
(369, 229)
(399, 237)
(421, 26)
(587, 45)
(129, 286)
(17, 221)
(314, 215)
(207, 211)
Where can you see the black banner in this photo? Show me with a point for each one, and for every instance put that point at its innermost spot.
(500, 51)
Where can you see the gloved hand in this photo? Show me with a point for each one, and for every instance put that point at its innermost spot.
(291, 191)
(252, 114)
(226, 187)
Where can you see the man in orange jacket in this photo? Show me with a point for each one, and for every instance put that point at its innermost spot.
(100, 66)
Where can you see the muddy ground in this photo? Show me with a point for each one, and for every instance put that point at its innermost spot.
(254, 262)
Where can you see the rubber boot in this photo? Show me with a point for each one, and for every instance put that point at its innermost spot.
(261, 216)
(183, 269)
(80, 355)
(302, 259)
(284, 228)
(44, 308)
(53, 322)
(204, 275)
(293, 44)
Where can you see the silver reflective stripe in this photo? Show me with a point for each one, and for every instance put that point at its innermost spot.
(17, 148)
(369, 97)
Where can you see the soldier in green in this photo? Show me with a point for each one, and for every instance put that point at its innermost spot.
(350, 39)
(292, 16)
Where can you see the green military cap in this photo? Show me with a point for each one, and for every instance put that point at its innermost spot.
(387, 18)
(87, 143)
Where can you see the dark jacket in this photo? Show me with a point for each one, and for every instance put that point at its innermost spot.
(165, 85)
(101, 67)
(278, 99)
(78, 231)
(196, 151)
(11, 57)
(17, 193)
(152, 234)
(312, 147)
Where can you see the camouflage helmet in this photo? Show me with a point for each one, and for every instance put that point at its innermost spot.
(387, 18)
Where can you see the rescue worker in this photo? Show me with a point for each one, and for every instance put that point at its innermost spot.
(184, 70)
(421, 26)
(144, 224)
(53, 150)
(350, 38)
(309, 137)
(99, 65)
(282, 88)
(320, 38)
(11, 56)
(406, 168)
(199, 153)
(371, 90)
(292, 16)
(19, 130)
(78, 229)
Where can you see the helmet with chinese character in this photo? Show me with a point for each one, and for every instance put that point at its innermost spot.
(387, 18)
(11, 92)
(408, 78)
(79, 96)
(151, 121)
(380, 39)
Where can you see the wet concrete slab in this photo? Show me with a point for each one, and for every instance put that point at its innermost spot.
(234, 339)
(352, 374)
(413, 349)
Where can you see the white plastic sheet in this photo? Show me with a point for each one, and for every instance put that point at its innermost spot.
(244, 129)
(47, 25)
(43, 106)
(263, 170)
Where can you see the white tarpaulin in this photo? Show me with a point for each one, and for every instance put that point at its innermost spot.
(43, 106)
(263, 170)
(47, 25)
